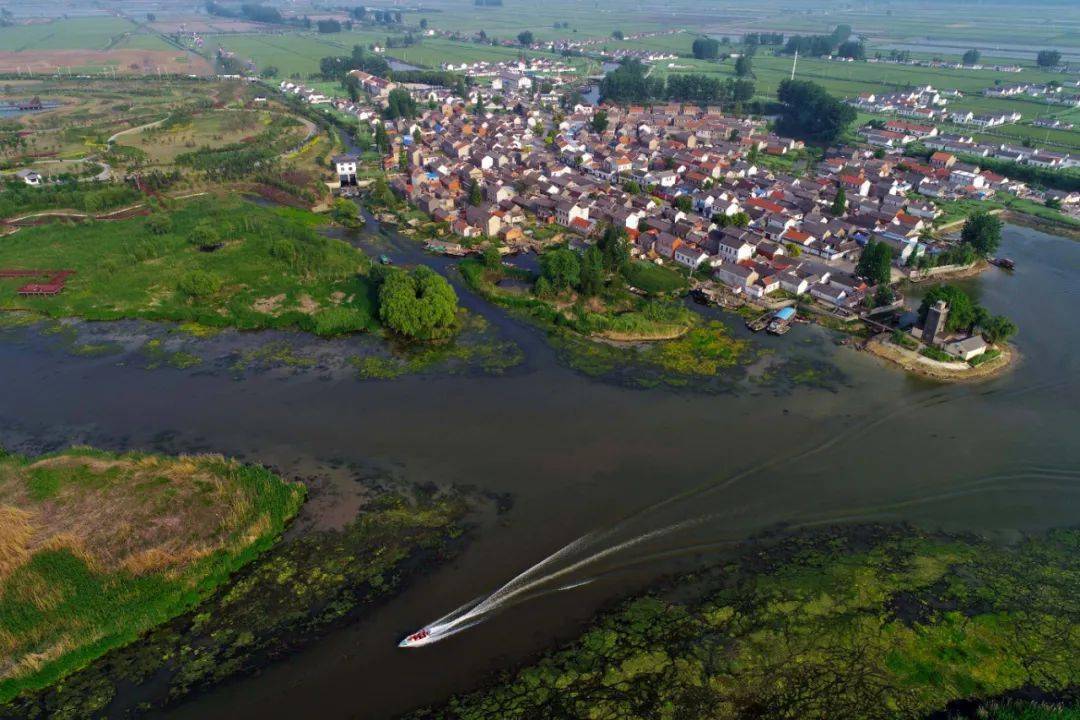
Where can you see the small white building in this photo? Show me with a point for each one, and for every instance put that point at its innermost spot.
(29, 177)
(346, 168)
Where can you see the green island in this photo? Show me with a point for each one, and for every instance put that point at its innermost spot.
(96, 548)
(602, 311)
(195, 625)
(859, 621)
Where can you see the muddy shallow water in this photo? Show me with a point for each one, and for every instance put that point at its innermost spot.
(576, 454)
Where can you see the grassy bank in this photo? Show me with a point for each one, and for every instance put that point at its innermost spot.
(294, 594)
(862, 622)
(267, 268)
(647, 341)
(96, 548)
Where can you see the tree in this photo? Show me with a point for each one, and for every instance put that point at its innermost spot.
(159, 223)
(971, 57)
(998, 329)
(382, 140)
(632, 186)
(962, 311)
(615, 249)
(345, 212)
(839, 203)
(852, 49)
(982, 231)
(739, 220)
(1048, 58)
(492, 258)
(684, 203)
(204, 235)
(599, 121)
(561, 268)
(199, 283)
(423, 23)
(744, 66)
(705, 48)
(591, 279)
(875, 264)
(420, 304)
(617, 34)
(525, 38)
(811, 113)
(476, 197)
(400, 104)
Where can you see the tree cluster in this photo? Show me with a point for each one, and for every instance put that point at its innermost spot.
(875, 264)
(400, 104)
(706, 48)
(817, 45)
(811, 113)
(420, 304)
(982, 231)
(763, 38)
(966, 315)
(1048, 58)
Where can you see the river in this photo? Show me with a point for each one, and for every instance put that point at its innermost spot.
(577, 454)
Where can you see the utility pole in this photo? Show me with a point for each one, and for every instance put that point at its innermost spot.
(794, 63)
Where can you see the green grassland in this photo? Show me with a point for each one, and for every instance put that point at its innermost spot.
(75, 581)
(291, 53)
(272, 270)
(308, 583)
(87, 33)
(869, 623)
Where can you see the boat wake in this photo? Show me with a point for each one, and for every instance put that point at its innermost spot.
(588, 551)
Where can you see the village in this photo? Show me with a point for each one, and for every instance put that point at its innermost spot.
(735, 207)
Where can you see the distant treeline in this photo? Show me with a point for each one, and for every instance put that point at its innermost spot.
(817, 45)
(629, 84)
(1066, 180)
(487, 3)
(762, 38)
(335, 67)
(379, 17)
(255, 13)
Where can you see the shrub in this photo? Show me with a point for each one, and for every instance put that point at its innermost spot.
(338, 321)
(199, 283)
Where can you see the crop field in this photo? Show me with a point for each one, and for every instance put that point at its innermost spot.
(849, 79)
(292, 54)
(73, 34)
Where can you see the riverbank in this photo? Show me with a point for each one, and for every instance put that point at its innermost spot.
(1053, 227)
(219, 262)
(959, 371)
(960, 273)
(314, 580)
(859, 621)
(97, 548)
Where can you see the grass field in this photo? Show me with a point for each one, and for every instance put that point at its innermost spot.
(96, 548)
(96, 33)
(212, 129)
(273, 270)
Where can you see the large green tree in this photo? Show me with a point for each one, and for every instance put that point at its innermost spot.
(420, 304)
(962, 309)
(982, 231)
(561, 268)
(811, 113)
(591, 279)
(875, 264)
(615, 249)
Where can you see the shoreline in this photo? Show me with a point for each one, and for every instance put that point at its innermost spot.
(959, 371)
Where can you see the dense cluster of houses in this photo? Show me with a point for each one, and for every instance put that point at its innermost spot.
(687, 185)
(922, 103)
(941, 64)
(1053, 93)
